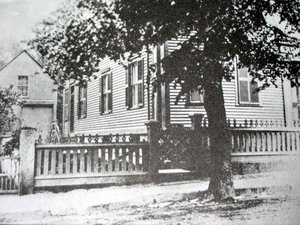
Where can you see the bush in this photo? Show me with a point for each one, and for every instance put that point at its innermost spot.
(13, 144)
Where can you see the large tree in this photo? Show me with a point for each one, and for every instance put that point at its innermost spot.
(216, 32)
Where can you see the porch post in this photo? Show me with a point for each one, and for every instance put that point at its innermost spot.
(27, 160)
(153, 128)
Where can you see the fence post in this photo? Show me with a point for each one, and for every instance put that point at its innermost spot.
(153, 128)
(27, 160)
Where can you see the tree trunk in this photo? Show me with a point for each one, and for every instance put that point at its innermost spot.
(221, 184)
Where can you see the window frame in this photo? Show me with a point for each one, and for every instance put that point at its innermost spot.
(23, 85)
(134, 85)
(250, 94)
(105, 107)
(189, 102)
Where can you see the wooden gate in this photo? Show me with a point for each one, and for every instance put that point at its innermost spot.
(9, 175)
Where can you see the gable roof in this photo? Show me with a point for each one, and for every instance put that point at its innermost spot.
(26, 52)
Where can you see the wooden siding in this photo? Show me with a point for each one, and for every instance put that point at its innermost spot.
(121, 119)
(271, 105)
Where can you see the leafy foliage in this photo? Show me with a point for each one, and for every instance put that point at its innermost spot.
(85, 32)
(13, 144)
(8, 99)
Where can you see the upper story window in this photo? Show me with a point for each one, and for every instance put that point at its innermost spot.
(195, 98)
(23, 85)
(105, 92)
(82, 101)
(134, 85)
(246, 89)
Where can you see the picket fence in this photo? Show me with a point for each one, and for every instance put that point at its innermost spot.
(134, 158)
(91, 160)
(255, 137)
(9, 175)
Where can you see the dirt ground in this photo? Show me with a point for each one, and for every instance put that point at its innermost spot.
(168, 203)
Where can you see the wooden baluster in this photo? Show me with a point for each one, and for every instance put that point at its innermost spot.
(283, 141)
(124, 159)
(278, 141)
(7, 182)
(275, 142)
(89, 160)
(46, 162)
(263, 145)
(75, 161)
(130, 159)
(53, 162)
(81, 159)
(103, 160)
(244, 135)
(141, 158)
(257, 141)
(269, 141)
(60, 161)
(293, 141)
(39, 165)
(288, 142)
(137, 159)
(232, 143)
(10, 182)
(127, 159)
(1, 182)
(252, 141)
(237, 141)
(119, 158)
(95, 160)
(249, 141)
(297, 141)
(68, 161)
(109, 159)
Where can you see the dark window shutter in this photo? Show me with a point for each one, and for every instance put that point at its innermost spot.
(85, 101)
(78, 103)
(69, 105)
(66, 105)
(110, 102)
(128, 90)
(111, 91)
(141, 85)
(254, 93)
(101, 106)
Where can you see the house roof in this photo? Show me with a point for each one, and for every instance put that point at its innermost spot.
(26, 52)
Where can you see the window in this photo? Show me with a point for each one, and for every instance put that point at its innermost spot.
(134, 85)
(23, 85)
(82, 101)
(195, 98)
(105, 92)
(66, 105)
(246, 89)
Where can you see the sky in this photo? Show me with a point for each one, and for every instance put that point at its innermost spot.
(17, 20)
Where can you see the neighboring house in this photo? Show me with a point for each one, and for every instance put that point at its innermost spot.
(121, 100)
(25, 73)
